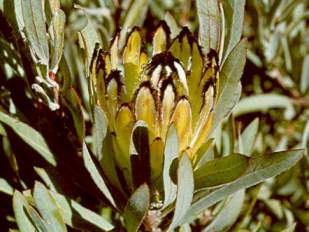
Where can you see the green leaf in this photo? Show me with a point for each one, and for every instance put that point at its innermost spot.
(229, 213)
(48, 208)
(170, 153)
(77, 216)
(263, 103)
(30, 136)
(96, 176)
(22, 220)
(209, 18)
(248, 136)
(5, 187)
(185, 188)
(56, 32)
(38, 222)
(220, 171)
(35, 29)
(234, 16)
(136, 208)
(229, 83)
(259, 169)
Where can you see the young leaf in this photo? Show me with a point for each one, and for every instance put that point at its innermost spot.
(57, 38)
(220, 171)
(136, 208)
(259, 169)
(30, 136)
(48, 208)
(96, 176)
(35, 28)
(185, 187)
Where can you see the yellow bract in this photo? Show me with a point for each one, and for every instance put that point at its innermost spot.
(176, 85)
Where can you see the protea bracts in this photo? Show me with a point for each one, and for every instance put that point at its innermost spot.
(173, 90)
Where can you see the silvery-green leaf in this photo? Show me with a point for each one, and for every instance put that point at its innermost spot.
(264, 102)
(229, 83)
(234, 16)
(30, 136)
(228, 214)
(259, 169)
(23, 221)
(95, 174)
(136, 208)
(185, 188)
(208, 12)
(89, 38)
(170, 153)
(304, 79)
(78, 216)
(35, 28)
(5, 187)
(134, 17)
(48, 208)
(57, 38)
(248, 136)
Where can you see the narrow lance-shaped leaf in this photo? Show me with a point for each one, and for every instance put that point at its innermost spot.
(77, 216)
(5, 187)
(259, 169)
(234, 12)
(48, 208)
(185, 188)
(229, 84)
(22, 220)
(136, 208)
(30, 136)
(220, 171)
(57, 37)
(133, 17)
(35, 28)
(229, 213)
(264, 102)
(247, 138)
(89, 38)
(170, 153)
(100, 129)
(96, 176)
(208, 12)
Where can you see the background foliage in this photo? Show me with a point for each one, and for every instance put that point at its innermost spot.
(272, 114)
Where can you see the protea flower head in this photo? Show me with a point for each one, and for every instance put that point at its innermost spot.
(173, 87)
